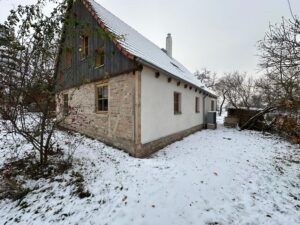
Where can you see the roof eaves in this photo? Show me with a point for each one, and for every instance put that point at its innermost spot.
(142, 61)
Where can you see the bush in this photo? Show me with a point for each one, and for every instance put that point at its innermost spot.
(288, 126)
(15, 173)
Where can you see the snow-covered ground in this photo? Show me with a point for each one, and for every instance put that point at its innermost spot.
(218, 176)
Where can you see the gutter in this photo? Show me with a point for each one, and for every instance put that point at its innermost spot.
(173, 76)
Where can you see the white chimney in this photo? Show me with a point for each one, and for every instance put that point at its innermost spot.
(169, 45)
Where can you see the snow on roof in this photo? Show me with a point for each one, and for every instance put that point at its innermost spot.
(142, 48)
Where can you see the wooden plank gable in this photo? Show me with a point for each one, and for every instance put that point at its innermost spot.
(72, 68)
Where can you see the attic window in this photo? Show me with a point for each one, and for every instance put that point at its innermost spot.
(99, 57)
(61, 76)
(68, 58)
(84, 46)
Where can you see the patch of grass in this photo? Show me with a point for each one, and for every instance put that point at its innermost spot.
(12, 189)
(30, 168)
(15, 173)
(78, 181)
(23, 205)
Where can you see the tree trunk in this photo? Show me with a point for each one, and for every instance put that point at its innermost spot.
(221, 106)
(41, 157)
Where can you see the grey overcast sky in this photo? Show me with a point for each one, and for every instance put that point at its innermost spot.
(217, 34)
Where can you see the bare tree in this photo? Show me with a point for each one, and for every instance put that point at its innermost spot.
(280, 59)
(221, 88)
(207, 77)
(236, 88)
(34, 47)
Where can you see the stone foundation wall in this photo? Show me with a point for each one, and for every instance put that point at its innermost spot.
(145, 150)
(115, 127)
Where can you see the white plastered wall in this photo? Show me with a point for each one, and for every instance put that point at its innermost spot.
(157, 107)
(208, 104)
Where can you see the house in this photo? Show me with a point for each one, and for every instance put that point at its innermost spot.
(115, 85)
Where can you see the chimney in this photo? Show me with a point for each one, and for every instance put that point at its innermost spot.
(169, 45)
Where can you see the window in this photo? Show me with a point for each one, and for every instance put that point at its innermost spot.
(84, 46)
(102, 98)
(66, 105)
(212, 105)
(61, 76)
(99, 57)
(177, 103)
(197, 105)
(68, 58)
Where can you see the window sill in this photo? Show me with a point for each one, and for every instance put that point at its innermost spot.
(98, 67)
(177, 113)
(102, 112)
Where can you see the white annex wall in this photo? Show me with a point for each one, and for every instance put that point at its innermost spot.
(157, 107)
(208, 104)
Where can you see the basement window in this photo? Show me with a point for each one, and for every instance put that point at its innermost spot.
(99, 57)
(177, 103)
(197, 105)
(102, 98)
(84, 46)
(66, 105)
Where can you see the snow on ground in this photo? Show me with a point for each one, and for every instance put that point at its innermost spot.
(218, 176)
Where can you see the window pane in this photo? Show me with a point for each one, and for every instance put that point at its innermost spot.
(99, 105)
(97, 60)
(197, 104)
(99, 57)
(102, 58)
(105, 105)
(102, 98)
(86, 45)
(176, 103)
(100, 95)
(105, 91)
(81, 46)
(68, 58)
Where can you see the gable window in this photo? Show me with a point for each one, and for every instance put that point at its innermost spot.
(99, 57)
(66, 105)
(177, 103)
(197, 105)
(68, 58)
(84, 46)
(212, 105)
(102, 98)
(61, 76)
